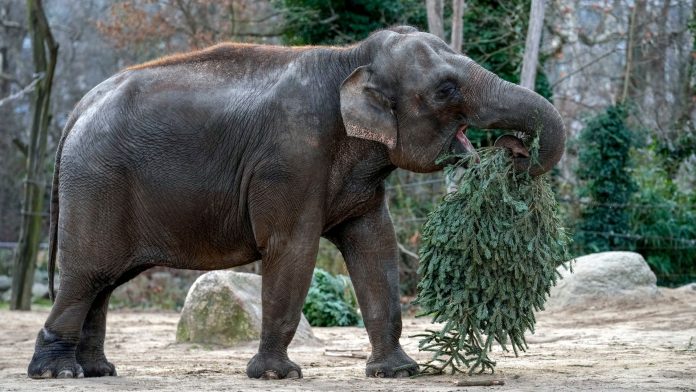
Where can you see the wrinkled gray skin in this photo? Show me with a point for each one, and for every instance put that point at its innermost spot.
(237, 153)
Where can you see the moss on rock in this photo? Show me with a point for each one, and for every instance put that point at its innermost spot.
(224, 308)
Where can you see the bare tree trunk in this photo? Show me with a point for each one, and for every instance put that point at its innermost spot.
(629, 54)
(457, 25)
(45, 52)
(434, 8)
(531, 47)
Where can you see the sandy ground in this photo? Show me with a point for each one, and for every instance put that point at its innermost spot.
(630, 347)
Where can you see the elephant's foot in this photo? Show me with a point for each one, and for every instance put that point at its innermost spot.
(54, 358)
(272, 366)
(397, 364)
(96, 365)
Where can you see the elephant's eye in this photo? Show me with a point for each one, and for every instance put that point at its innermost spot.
(446, 90)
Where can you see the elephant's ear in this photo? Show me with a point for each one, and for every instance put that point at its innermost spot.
(367, 113)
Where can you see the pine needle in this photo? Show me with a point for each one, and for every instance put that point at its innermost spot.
(488, 259)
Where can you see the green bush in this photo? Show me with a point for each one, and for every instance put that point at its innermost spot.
(330, 259)
(331, 301)
(607, 185)
(663, 219)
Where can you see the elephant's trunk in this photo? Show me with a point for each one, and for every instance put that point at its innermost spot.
(508, 106)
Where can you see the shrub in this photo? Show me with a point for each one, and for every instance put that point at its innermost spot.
(603, 169)
(663, 219)
(330, 301)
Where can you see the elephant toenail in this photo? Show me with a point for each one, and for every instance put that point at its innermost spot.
(402, 374)
(47, 374)
(270, 375)
(380, 374)
(65, 374)
(80, 375)
(294, 374)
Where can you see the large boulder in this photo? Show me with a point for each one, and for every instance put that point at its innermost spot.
(5, 283)
(602, 278)
(224, 308)
(688, 288)
(39, 291)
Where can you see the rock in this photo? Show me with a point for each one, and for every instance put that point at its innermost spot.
(691, 287)
(224, 307)
(605, 277)
(5, 283)
(39, 290)
(40, 276)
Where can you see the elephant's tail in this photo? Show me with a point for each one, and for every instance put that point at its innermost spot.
(53, 228)
(54, 207)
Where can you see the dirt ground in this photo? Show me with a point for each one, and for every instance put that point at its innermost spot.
(627, 347)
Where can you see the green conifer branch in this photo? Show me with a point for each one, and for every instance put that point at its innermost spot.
(489, 255)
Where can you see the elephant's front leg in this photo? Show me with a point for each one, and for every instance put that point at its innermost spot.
(288, 263)
(369, 247)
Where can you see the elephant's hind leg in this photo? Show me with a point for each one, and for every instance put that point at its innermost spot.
(55, 350)
(90, 350)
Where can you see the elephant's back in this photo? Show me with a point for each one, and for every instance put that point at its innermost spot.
(163, 162)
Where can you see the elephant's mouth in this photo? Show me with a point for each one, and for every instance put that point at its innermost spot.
(460, 144)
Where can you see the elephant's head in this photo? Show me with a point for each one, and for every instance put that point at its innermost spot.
(417, 96)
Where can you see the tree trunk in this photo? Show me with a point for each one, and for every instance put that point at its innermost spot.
(531, 47)
(45, 52)
(457, 25)
(434, 8)
(629, 52)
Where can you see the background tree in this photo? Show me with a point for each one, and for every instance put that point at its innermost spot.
(45, 54)
(531, 47)
(150, 28)
(315, 22)
(435, 10)
(457, 14)
(607, 184)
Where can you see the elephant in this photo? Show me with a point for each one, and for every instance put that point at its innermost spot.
(217, 158)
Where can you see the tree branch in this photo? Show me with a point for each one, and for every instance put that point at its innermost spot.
(8, 77)
(10, 24)
(582, 67)
(21, 146)
(19, 94)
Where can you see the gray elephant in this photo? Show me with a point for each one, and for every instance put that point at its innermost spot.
(217, 158)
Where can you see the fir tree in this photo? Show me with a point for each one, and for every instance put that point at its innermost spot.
(603, 167)
(488, 259)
